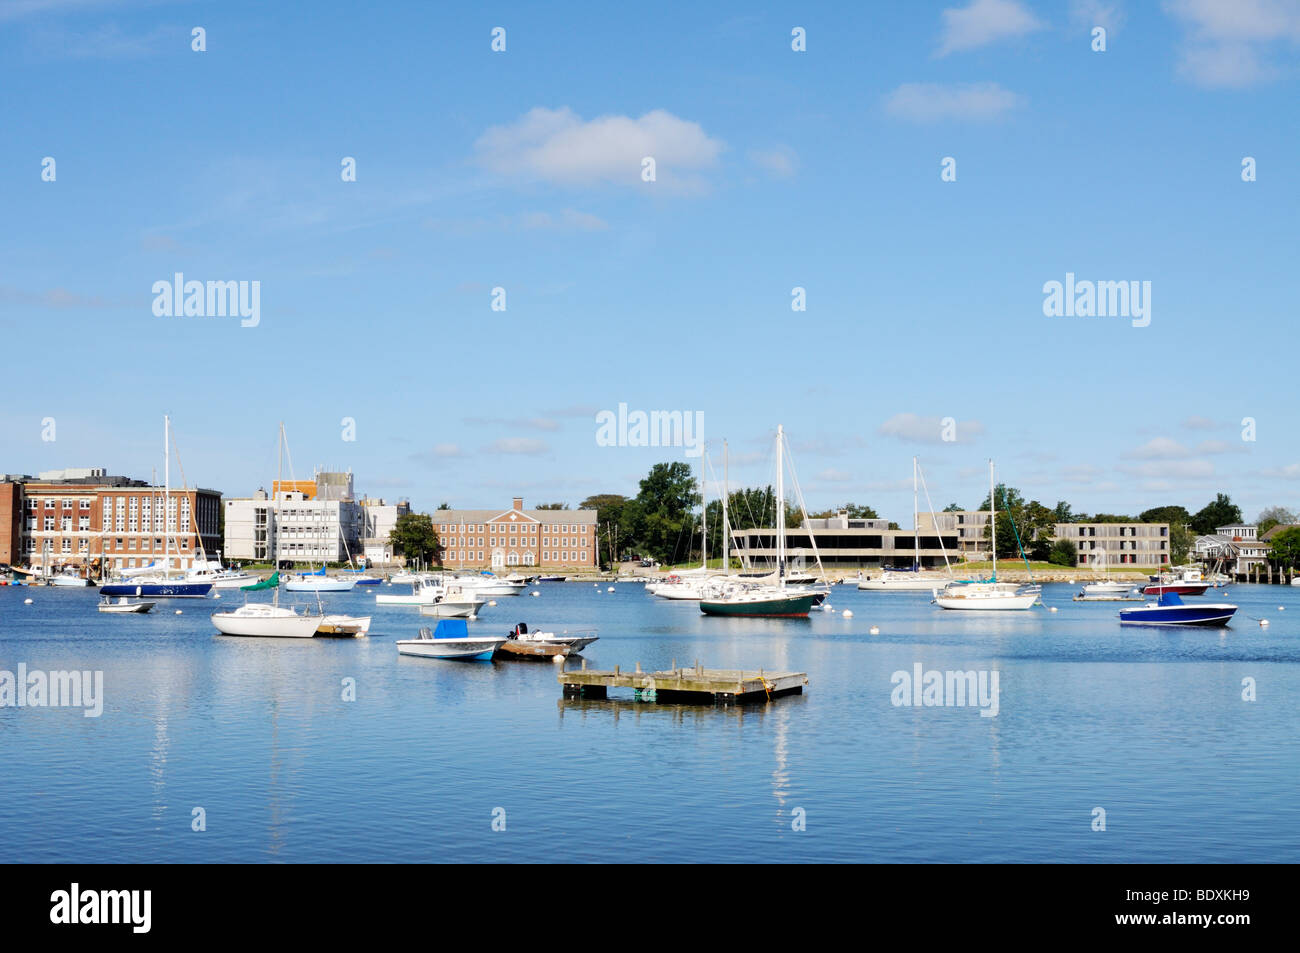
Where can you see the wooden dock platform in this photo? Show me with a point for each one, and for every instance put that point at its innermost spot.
(698, 684)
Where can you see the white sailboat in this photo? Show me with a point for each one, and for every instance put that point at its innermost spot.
(258, 619)
(915, 579)
(993, 595)
(1106, 586)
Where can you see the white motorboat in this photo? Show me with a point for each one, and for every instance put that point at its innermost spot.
(270, 621)
(310, 582)
(124, 605)
(892, 580)
(451, 640)
(574, 640)
(490, 585)
(1107, 588)
(425, 591)
(67, 578)
(211, 570)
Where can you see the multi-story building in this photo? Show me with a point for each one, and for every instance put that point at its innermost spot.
(85, 519)
(847, 543)
(968, 525)
(1118, 545)
(316, 521)
(560, 539)
(378, 519)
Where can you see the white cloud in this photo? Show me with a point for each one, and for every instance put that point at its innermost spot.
(913, 428)
(1200, 423)
(519, 445)
(1160, 448)
(1172, 469)
(984, 22)
(558, 146)
(1233, 43)
(1086, 14)
(569, 219)
(781, 161)
(932, 102)
(834, 476)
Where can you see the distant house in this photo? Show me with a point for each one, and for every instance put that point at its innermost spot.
(1237, 545)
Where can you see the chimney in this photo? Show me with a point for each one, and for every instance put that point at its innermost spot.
(519, 504)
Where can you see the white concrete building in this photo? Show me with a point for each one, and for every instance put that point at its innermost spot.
(378, 519)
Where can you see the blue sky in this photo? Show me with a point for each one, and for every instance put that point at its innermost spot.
(776, 169)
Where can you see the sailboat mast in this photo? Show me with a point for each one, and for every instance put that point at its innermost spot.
(704, 519)
(279, 472)
(726, 526)
(916, 522)
(167, 494)
(993, 520)
(780, 509)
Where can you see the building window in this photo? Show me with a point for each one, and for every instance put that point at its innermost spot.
(49, 524)
(49, 504)
(83, 523)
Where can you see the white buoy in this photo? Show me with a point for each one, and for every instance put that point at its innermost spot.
(216, 595)
(492, 602)
(1263, 621)
(1051, 608)
(610, 589)
(1281, 608)
(178, 611)
(875, 630)
(27, 602)
(557, 659)
(536, 593)
(848, 613)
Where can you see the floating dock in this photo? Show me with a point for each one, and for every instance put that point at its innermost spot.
(692, 685)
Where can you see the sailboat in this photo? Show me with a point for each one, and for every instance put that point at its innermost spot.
(269, 620)
(1106, 586)
(905, 580)
(992, 595)
(773, 601)
(161, 584)
(690, 585)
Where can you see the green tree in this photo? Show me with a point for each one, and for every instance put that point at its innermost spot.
(1063, 553)
(611, 519)
(444, 505)
(665, 512)
(551, 506)
(415, 538)
(1064, 513)
(1286, 549)
(1220, 512)
(952, 508)
(1273, 515)
(1173, 515)
(1181, 540)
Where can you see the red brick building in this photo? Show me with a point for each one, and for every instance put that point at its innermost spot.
(103, 522)
(505, 539)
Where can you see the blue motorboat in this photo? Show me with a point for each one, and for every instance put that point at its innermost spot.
(1170, 609)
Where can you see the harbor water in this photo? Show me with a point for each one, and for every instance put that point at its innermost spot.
(257, 742)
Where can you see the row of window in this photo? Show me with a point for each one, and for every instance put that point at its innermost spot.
(515, 559)
(514, 527)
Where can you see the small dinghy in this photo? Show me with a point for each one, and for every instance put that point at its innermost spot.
(344, 625)
(124, 605)
(451, 640)
(1171, 610)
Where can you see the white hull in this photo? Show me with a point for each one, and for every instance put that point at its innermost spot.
(320, 584)
(230, 582)
(979, 599)
(124, 606)
(267, 622)
(1107, 588)
(897, 584)
(451, 610)
(449, 648)
(407, 599)
(76, 582)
